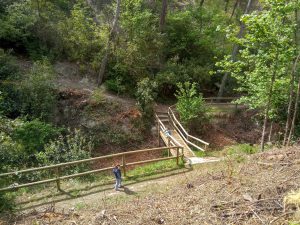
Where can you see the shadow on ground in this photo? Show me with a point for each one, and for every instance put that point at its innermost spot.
(63, 195)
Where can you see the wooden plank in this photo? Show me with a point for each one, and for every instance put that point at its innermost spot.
(197, 139)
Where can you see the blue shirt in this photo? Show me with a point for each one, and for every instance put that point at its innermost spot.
(117, 173)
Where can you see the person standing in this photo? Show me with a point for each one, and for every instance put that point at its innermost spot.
(118, 176)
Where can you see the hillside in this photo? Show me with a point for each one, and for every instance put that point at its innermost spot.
(196, 103)
(250, 191)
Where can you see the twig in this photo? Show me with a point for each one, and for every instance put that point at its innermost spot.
(282, 215)
(258, 216)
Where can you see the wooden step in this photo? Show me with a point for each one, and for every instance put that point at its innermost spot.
(165, 120)
(162, 115)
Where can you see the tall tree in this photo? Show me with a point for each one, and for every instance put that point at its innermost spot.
(236, 4)
(291, 119)
(201, 3)
(163, 15)
(234, 50)
(267, 50)
(294, 114)
(111, 38)
(291, 99)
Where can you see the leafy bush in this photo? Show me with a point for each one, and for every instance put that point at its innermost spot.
(191, 106)
(97, 97)
(33, 135)
(7, 202)
(11, 156)
(80, 34)
(145, 98)
(18, 22)
(71, 147)
(38, 91)
(9, 76)
(116, 85)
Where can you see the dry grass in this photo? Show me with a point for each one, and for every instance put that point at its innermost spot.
(227, 192)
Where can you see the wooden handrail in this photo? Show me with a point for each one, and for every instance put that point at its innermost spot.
(82, 161)
(227, 98)
(186, 136)
(197, 139)
(58, 178)
(175, 119)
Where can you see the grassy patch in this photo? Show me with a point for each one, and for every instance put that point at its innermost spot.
(208, 153)
(153, 168)
(200, 153)
(242, 148)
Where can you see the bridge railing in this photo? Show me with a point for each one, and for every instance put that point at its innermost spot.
(56, 169)
(220, 100)
(189, 139)
(171, 140)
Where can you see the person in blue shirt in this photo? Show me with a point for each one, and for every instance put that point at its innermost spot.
(118, 176)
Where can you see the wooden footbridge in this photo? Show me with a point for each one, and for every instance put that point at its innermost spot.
(173, 133)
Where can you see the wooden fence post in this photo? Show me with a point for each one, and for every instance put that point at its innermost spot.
(177, 156)
(124, 165)
(57, 172)
(169, 145)
(158, 132)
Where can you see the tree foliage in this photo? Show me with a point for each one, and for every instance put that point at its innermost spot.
(38, 94)
(191, 107)
(268, 50)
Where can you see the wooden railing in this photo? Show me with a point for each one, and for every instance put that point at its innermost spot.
(189, 139)
(222, 101)
(217, 100)
(161, 128)
(57, 168)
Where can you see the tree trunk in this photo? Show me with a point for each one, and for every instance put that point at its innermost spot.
(294, 115)
(270, 133)
(163, 15)
(111, 38)
(234, 51)
(262, 145)
(226, 5)
(38, 8)
(288, 125)
(201, 3)
(234, 8)
(291, 96)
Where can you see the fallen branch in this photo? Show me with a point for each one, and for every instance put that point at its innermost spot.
(282, 215)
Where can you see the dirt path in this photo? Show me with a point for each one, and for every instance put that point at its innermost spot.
(90, 195)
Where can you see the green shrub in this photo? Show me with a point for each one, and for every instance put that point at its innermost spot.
(116, 85)
(39, 96)
(33, 135)
(97, 97)
(146, 95)
(11, 155)
(239, 152)
(71, 147)
(242, 148)
(9, 76)
(191, 107)
(7, 202)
